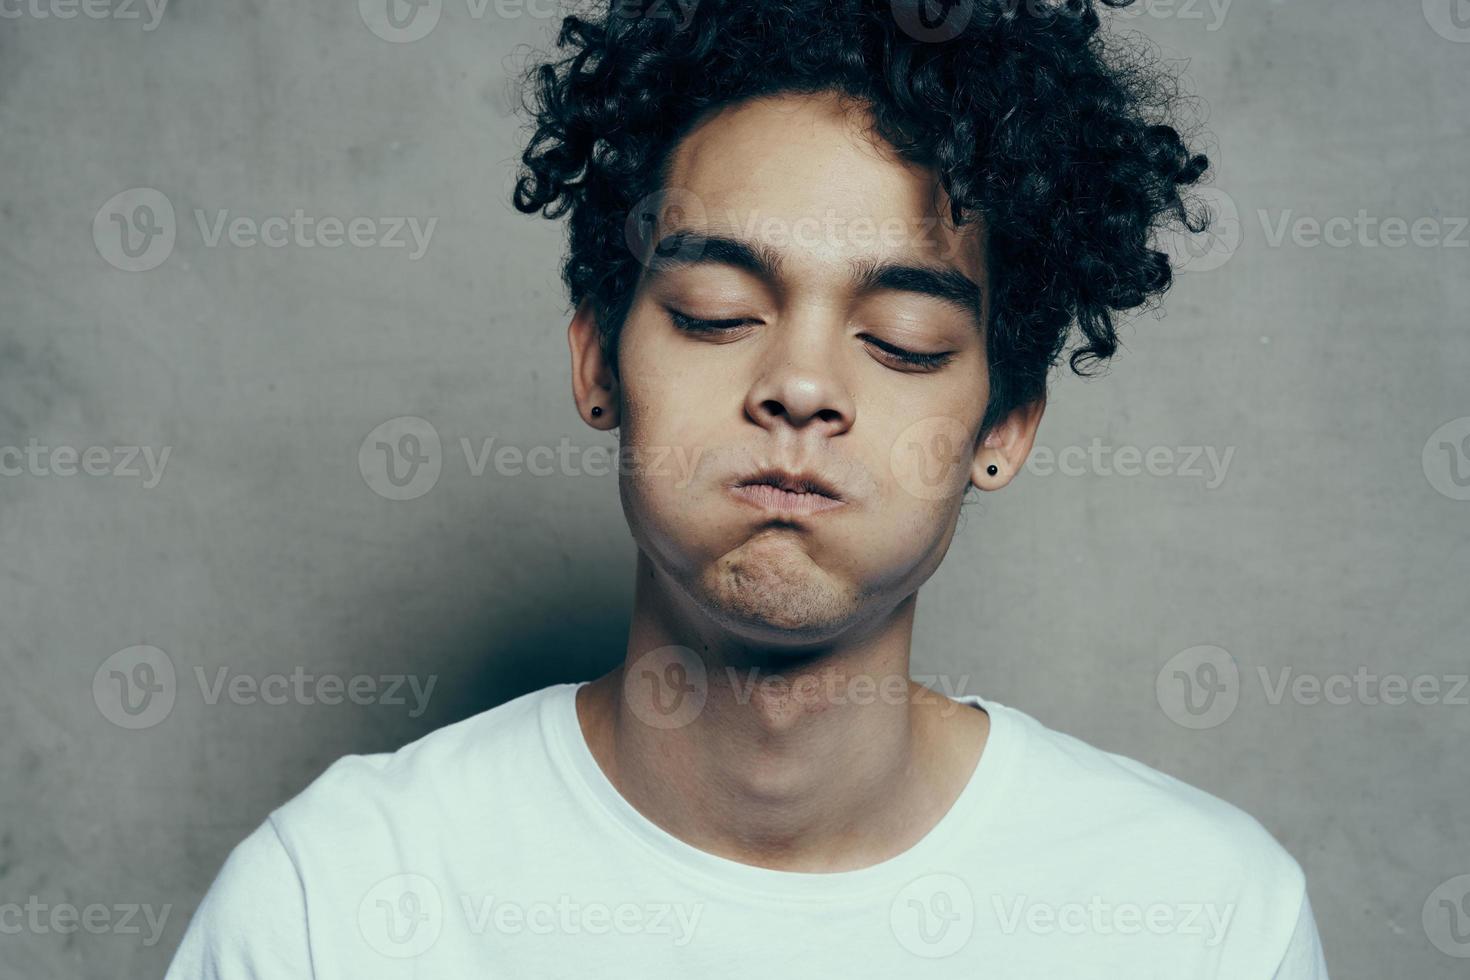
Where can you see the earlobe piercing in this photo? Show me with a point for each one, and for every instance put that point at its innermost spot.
(992, 469)
(596, 410)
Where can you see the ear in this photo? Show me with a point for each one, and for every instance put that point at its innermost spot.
(1006, 446)
(593, 383)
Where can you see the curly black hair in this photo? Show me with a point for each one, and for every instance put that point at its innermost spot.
(1059, 140)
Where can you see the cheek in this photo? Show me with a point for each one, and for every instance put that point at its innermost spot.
(916, 517)
(924, 471)
(670, 441)
(929, 460)
(670, 401)
(671, 415)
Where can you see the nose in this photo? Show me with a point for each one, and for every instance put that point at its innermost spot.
(800, 383)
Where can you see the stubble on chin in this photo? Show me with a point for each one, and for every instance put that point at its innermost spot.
(772, 585)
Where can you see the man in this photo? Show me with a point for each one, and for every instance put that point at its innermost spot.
(824, 254)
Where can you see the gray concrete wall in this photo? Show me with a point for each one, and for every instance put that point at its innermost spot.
(1328, 380)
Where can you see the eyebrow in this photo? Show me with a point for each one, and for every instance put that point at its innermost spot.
(943, 283)
(686, 248)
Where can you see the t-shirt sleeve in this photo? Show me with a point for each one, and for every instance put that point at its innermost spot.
(1303, 959)
(251, 924)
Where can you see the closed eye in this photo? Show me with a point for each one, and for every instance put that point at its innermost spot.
(692, 324)
(927, 362)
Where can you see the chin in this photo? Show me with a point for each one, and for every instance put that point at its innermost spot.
(775, 608)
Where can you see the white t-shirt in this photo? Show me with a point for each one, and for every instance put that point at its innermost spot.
(497, 847)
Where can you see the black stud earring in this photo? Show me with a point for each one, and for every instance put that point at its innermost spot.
(596, 410)
(992, 469)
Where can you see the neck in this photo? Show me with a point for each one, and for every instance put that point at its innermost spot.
(824, 759)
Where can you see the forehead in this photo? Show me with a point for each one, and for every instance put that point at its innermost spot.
(805, 174)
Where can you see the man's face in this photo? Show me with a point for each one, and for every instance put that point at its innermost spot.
(771, 331)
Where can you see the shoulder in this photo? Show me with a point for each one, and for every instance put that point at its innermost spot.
(251, 921)
(1135, 823)
(368, 819)
(461, 773)
(430, 765)
(1136, 800)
